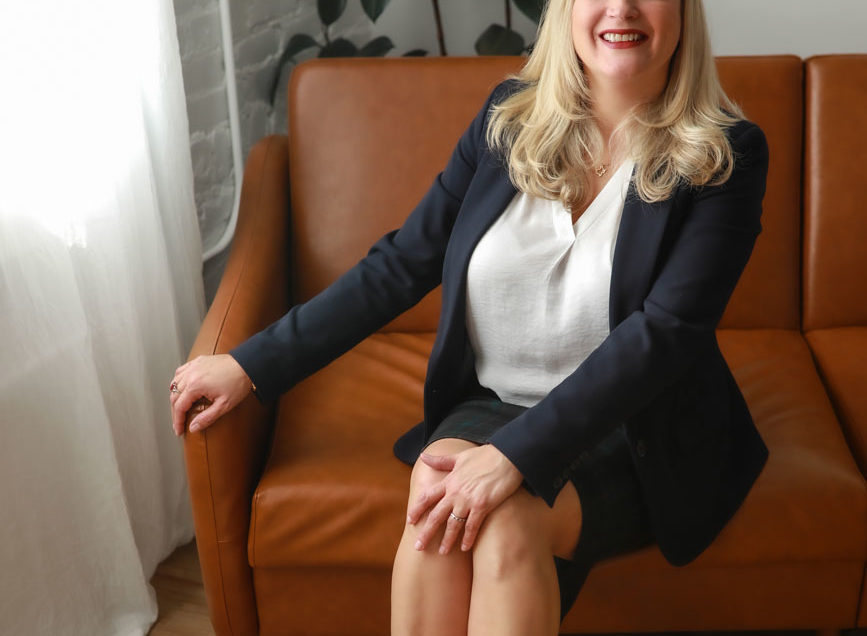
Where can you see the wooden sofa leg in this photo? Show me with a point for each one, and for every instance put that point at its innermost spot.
(827, 632)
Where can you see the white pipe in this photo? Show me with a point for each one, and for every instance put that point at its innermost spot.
(234, 129)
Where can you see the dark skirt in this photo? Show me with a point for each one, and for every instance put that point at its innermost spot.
(614, 517)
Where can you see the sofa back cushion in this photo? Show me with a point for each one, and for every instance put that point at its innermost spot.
(368, 136)
(835, 215)
(769, 89)
(366, 139)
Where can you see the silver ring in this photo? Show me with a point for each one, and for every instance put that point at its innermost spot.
(457, 518)
(174, 388)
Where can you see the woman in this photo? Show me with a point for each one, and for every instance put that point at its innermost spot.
(588, 233)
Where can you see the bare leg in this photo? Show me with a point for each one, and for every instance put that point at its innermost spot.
(515, 589)
(430, 593)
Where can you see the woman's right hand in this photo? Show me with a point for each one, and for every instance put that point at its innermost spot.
(219, 379)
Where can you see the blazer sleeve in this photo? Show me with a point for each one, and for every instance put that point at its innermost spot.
(397, 272)
(652, 347)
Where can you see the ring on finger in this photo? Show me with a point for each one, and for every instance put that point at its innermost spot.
(457, 518)
(174, 388)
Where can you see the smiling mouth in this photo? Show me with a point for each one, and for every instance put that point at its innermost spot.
(623, 37)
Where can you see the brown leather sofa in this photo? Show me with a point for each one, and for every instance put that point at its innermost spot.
(297, 516)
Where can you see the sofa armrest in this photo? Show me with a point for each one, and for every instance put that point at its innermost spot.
(224, 462)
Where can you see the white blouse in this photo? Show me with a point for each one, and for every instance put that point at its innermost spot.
(538, 288)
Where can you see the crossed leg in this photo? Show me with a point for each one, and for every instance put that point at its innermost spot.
(506, 585)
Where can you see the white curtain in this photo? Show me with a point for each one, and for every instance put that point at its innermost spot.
(100, 298)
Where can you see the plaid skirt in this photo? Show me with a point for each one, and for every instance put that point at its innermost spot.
(614, 517)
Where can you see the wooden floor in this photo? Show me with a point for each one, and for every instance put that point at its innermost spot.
(180, 596)
(182, 609)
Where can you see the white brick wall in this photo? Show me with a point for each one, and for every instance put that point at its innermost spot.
(260, 30)
(198, 23)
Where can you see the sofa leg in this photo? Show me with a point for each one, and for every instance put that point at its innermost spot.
(827, 632)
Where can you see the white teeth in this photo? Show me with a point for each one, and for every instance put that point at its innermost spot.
(621, 37)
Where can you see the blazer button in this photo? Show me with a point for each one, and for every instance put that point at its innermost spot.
(641, 448)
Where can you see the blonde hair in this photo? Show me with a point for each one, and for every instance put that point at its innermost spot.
(548, 135)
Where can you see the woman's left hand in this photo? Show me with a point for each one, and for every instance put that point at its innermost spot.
(479, 480)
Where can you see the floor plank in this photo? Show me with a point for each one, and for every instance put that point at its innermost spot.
(181, 596)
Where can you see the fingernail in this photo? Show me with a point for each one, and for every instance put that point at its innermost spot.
(409, 520)
(418, 545)
(442, 550)
(465, 547)
(194, 428)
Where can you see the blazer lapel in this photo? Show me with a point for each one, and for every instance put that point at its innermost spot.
(493, 191)
(641, 229)
(490, 194)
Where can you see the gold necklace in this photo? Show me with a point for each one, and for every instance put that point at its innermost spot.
(601, 169)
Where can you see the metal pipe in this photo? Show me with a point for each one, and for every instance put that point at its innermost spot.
(234, 130)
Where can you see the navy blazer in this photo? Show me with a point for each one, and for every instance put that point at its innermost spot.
(659, 373)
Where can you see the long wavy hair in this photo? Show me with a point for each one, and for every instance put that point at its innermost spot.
(547, 133)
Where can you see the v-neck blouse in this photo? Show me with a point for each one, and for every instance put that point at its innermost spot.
(538, 289)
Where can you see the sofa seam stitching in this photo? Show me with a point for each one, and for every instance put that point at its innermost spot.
(216, 346)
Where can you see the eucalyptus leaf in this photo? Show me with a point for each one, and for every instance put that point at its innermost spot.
(415, 53)
(498, 40)
(376, 47)
(330, 10)
(531, 8)
(374, 8)
(341, 47)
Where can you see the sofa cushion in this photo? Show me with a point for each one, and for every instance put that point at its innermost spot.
(810, 501)
(769, 89)
(840, 355)
(333, 494)
(366, 139)
(332, 491)
(834, 159)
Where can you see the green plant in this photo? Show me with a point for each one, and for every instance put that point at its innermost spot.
(500, 39)
(497, 39)
(329, 12)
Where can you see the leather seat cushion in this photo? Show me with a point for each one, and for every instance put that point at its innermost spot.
(333, 494)
(840, 354)
(332, 491)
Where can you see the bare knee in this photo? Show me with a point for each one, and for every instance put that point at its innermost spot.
(523, 531)
(424, 477)
(509, 541)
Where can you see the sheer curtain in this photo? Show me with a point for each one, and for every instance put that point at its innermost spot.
(100, 298)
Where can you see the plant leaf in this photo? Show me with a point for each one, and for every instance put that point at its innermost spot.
(531, 8)
(376, 47)
(341, 47)
(415, 53)
(498, 40)
(330, 10)
(374, 8)
(297, 43)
